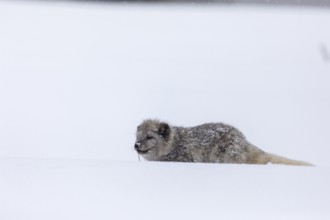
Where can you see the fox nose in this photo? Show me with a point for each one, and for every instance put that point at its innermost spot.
(137, 145)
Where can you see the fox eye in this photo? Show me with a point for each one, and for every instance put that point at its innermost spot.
(149, 137)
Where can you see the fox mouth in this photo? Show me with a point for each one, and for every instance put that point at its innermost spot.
(143, 151)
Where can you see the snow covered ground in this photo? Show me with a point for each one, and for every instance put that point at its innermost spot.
(76, 80)
(55, 189)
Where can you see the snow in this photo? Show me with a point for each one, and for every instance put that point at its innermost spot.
(60, 189)
(76, 80)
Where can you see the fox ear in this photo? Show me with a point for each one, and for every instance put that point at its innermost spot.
(164, 130)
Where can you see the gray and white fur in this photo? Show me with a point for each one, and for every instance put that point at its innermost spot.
(208, 143)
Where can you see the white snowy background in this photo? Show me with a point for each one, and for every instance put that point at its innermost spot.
(76, 80)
